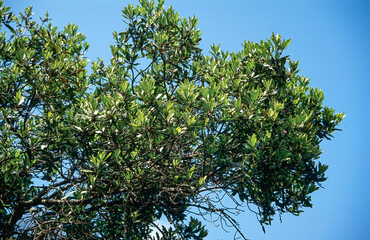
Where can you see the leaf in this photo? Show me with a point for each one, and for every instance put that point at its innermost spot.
(178, 129)
(202, 179)
(69, 194)
(10, 28)
(191, 172)
(78, 128)
(21, 101)
(70, 114)
(252, 140)
(18, 96)
(116, 153)
(133, 154)
(176, 162)
(17, 153)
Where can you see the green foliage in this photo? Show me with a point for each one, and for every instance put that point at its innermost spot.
(160, 131)
(193, 230)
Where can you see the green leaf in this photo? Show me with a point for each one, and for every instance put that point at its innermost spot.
(17, 153)
(10, 28)
(133, 154)
(202, 179)
(252, 140)
(176, 162)
(178, 129)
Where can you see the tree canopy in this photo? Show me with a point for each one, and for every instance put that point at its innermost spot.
(161, 130)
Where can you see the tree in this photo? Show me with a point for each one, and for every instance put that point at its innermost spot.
(160, 131)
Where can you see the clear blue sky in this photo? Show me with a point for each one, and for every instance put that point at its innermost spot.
(331, 40)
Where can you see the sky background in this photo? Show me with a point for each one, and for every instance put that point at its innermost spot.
(331, 40)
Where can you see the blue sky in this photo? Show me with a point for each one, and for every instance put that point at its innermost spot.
(331, 40)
